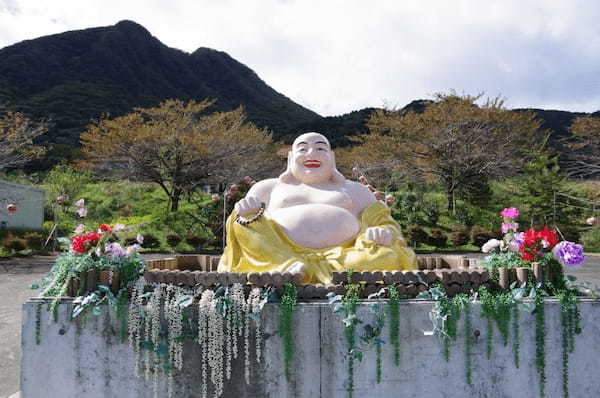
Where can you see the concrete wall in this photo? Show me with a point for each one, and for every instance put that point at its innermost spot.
(30, 204)
(85, 360)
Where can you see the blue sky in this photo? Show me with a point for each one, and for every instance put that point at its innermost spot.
(337, 56)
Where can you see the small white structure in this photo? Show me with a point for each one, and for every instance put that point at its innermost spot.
(29, 202)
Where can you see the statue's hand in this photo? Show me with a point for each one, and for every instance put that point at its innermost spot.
(248, 205)
(379, 235)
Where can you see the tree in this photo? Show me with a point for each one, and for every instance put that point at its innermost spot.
(179, 146)
(453, 141)
(17, 133)
(537, 187)
(585, 143)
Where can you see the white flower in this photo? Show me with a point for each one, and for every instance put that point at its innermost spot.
(490, 245)
(132, 249)
(118, 227)
(139, 238)
(80, 203)
(591, 221)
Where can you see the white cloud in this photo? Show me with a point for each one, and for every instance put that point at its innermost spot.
(338, 56)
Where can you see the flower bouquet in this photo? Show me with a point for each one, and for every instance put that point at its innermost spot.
(95, 265)
(532, 248)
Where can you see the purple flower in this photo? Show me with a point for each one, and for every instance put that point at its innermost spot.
(508, 226)
(510, 213)
(114, 249)
(569, 253)
(82, 211)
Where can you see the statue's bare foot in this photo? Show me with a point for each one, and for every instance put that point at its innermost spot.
(297, 268)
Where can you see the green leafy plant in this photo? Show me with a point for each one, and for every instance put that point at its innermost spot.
(346, 307)
(287, 307)
(393, 307)
(372, 336)
(540, 342)
(570, 325)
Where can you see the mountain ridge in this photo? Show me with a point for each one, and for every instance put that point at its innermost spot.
(77, 76)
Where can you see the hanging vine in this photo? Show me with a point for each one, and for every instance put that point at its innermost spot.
(286, 314)
(468, 333)
(516, 335)
(38, 323)
(540, 343)
(393, 307)
(570, 325)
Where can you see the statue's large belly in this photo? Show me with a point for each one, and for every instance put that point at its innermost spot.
(316, 226)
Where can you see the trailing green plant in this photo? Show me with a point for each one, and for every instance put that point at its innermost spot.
(38, 323)
(570, 325)
(349, 303)
(393, 307)
(496, 308)
(372, 336)
(516, 339)
(540, 342)
(287, 307)
(346, 307)
(468, 333)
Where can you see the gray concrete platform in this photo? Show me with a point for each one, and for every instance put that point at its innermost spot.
(87, 360)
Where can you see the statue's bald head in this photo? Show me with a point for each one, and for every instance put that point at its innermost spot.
(311, 161)
(311, 137)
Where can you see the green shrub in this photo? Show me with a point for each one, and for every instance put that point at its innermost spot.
(173, 240)
(130, 241)
(591, 240)
(195, 241)
(34, 240)
(437, 238)
(480, 235)
(460, 236)
(150, 242)
(14, 243)
(570, 233)
(416, 234)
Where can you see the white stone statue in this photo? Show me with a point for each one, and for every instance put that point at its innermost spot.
(314, 221)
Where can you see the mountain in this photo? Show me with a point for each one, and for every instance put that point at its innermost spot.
(74, 77)
(77, 76)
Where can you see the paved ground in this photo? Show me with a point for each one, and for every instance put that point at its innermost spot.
(17, 275)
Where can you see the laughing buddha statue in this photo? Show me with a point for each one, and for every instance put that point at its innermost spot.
(314, 221)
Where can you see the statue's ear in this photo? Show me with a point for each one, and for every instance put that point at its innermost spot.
(336, 176)
(287, 176)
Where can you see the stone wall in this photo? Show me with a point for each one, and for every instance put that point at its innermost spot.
(77, 359)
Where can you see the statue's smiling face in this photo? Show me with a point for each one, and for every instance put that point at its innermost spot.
(312, 159)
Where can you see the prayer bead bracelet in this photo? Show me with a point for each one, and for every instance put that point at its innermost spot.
(245, 221)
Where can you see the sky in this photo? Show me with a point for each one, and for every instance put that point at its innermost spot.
(337, 56)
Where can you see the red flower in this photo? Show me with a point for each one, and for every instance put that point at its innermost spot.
(535, 242)
(106, 228)
(83, 243)
(548, 238)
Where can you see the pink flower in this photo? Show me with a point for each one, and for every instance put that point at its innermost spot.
(215, 197)
(61, 199)
(82, 211)
(362, 180)
(378, 195)
(510, 213)
(80, 203)
(389, 198)
(247, 180)
(508, 226)
(80, 228)
(371, 188)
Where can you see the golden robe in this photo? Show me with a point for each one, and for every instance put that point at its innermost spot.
(263, 246)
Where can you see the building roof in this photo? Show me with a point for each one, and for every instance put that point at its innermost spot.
(20, 186)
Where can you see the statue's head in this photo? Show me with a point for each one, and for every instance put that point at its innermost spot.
(311, 161)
